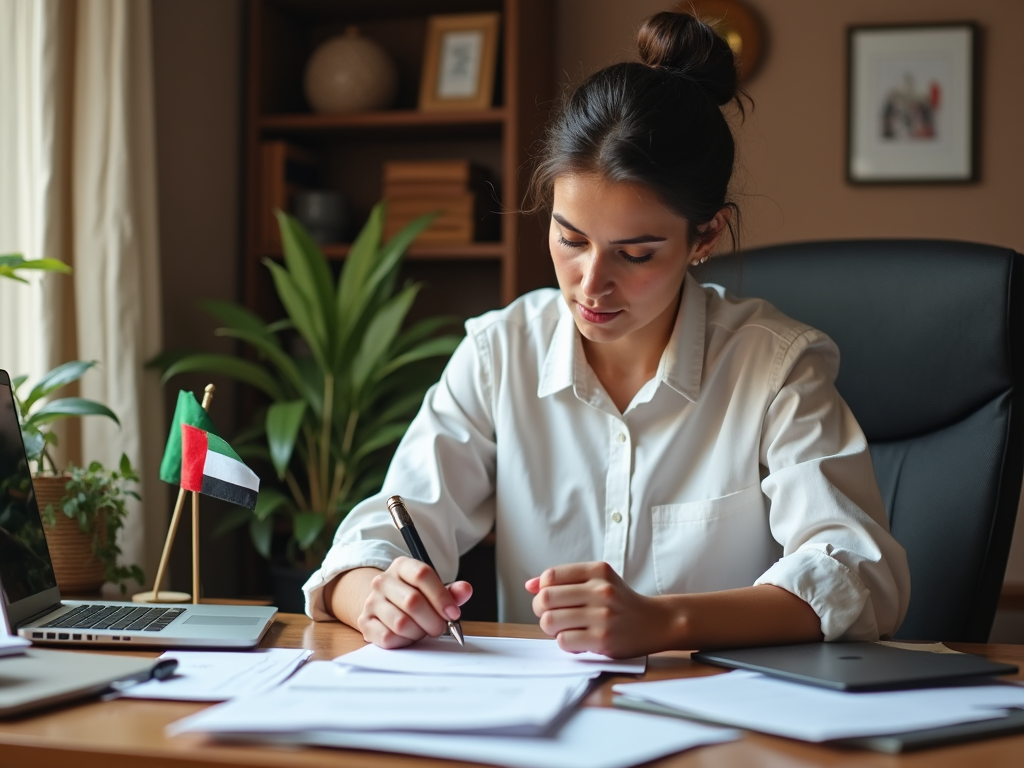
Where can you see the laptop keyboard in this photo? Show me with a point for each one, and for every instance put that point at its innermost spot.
(116, 617)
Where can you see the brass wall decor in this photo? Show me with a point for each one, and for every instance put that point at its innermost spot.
(739, 24)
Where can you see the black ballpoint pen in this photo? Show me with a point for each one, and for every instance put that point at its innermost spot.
(412, 540)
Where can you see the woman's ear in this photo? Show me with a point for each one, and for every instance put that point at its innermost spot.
(709, 234)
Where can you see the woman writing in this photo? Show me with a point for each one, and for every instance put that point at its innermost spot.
(666, 467)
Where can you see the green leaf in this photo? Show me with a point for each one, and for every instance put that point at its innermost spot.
(402, 406)
(380, 333)
(283, 422)
(165, 360)
(239, 318)
(46, 265)
(60, 376)
(308, 322)
(439, 347)
(385, 436)
(307, 527)
(268, 502)
(34, 444)
(272, 349)
(68, 407)
(358, 265)
(422, 330)
(17, 381)
(261, 532)
(240, 370)
(235, 517)
(308, 267)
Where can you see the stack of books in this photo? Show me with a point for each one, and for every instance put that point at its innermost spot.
(451, 188)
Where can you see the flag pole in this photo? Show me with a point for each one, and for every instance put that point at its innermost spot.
(173, 530)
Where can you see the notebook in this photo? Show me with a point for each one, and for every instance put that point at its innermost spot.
(30, 601)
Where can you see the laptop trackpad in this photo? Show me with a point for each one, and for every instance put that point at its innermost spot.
(222, 621)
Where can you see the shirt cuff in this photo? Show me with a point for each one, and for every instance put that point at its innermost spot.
(358, 554)
(833, 591)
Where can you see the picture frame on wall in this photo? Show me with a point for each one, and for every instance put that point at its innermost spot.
(459, 62)
(911, 108)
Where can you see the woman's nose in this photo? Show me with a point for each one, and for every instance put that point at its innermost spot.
(596, 279)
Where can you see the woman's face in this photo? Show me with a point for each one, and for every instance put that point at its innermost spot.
(620, 256)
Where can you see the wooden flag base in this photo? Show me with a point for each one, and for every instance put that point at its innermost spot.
(163, 596)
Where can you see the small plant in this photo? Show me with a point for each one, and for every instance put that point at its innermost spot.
(96, 498)
(12, 263)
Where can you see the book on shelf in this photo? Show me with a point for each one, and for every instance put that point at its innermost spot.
(455, 190)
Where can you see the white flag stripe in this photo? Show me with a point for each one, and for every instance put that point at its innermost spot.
(230, 471)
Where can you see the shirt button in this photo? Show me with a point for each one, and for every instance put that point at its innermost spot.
(616, 517)
(621, 437)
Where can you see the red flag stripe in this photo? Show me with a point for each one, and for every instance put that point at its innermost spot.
(193, 457)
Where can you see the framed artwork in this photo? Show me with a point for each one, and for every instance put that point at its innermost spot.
(460, 62)
(912, 117)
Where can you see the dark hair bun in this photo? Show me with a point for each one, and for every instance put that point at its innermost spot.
(686, 46)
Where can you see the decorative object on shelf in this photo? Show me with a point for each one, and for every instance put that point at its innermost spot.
(285, 171)
(460, 61)
(350, 73)
(335, 411)
(323, 213)
(82, 511)
(740, 26)
(912, 104)
(452, 189)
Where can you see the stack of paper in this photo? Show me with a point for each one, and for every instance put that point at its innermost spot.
(497, 700)
(12, 645)
(219, 676)
(761, 703)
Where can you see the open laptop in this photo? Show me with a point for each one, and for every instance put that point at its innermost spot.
(31, 602)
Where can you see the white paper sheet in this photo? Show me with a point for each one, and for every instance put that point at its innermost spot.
(324, 696)
(762, 703)
(489, 656)
(592, 738)
(12, 645)
(219, 676)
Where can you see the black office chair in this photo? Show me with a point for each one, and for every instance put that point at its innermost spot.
(932, 357)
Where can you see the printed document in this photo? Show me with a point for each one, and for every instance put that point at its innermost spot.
(489, 656)
(324, 696)
(761, 703)
(219, 676)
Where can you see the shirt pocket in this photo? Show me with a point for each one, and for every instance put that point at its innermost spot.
(712, 544)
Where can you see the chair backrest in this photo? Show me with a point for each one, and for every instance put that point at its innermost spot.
(931, 365)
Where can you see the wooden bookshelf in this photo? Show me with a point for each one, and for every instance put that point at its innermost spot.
(350, 149)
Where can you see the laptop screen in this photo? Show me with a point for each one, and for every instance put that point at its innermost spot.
(25, 567)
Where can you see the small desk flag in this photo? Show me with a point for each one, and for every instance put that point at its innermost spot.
(209, 466)
(187, 411)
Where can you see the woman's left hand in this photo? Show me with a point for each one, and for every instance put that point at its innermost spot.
(588, 607)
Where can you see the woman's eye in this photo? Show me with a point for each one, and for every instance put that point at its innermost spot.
(571, 243)
(637, 259)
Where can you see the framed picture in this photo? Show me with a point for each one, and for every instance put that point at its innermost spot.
(460, 62)
(912, 104)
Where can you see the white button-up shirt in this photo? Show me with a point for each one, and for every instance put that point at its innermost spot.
(737, 464)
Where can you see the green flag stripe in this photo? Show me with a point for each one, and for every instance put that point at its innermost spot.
(218, 445)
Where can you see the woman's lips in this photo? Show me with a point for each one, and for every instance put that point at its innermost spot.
(593, 316)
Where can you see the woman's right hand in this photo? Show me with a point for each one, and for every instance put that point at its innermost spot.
(408, 602)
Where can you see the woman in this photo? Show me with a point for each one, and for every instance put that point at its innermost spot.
(666, 466)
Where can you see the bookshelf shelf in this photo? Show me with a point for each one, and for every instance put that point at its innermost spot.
(432, 252)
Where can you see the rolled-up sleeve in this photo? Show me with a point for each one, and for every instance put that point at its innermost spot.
(444, 469)
(826, 509)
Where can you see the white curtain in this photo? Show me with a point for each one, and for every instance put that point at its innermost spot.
(77, 163)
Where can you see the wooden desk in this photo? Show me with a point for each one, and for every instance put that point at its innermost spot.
(128, 732)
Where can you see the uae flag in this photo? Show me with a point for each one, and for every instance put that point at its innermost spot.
(210, 467)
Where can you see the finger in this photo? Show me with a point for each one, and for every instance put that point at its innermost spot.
(568, 596)
(375, 632)
(460, 591)
(565, 619)
(533, 585)
(575, 573)
(576, 641)
(426, 581)
(412, 604)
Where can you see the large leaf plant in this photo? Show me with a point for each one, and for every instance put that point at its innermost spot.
(336, 408)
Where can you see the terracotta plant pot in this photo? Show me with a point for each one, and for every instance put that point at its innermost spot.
(77, 570)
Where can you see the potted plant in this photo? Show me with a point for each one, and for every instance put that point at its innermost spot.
(82, 508)
(336, 406)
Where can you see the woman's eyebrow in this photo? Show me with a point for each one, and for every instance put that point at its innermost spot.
(628, 241)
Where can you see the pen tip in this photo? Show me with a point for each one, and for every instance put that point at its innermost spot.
(456, 629)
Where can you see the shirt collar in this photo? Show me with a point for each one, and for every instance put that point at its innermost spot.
(680, 367)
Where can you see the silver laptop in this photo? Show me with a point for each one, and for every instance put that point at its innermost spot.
(30, 600)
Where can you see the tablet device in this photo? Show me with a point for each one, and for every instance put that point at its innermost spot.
(856, 666)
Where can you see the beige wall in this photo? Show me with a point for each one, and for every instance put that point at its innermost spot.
(792, 149)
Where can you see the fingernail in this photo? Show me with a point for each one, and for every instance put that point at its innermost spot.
(452, 612)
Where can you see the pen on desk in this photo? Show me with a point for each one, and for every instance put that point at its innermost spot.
(412, 540)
